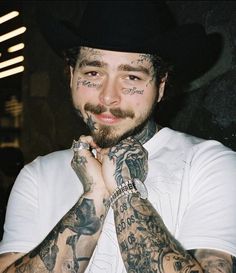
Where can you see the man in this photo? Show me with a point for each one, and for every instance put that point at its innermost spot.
(138, 198)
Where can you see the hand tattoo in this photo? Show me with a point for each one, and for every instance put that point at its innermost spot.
(130, 159)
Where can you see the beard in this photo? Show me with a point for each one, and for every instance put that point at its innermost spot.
(105, 136)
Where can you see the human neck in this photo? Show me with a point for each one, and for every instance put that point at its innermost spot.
(148, 131)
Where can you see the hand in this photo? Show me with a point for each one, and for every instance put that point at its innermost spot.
(88, 168)
(127, 160)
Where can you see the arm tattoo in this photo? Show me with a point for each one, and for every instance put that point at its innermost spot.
(82, 219)
(215, 261)
(145, 243)
(78, 164)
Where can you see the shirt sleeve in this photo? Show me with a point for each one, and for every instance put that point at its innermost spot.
(209, 221)
(21, 222)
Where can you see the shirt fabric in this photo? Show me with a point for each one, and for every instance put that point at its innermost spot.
(191, 183)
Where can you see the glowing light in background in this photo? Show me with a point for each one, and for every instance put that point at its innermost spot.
(8, 16)
(11, 61)
(12, 71)
(15, 47)
(12, 34)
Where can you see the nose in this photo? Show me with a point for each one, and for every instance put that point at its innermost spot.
(109, 94)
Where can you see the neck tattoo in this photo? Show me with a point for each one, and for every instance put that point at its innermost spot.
(147, 132)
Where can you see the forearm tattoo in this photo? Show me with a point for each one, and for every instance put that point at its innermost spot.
(145, 243)
(214, 261)
(81, 220)
(79, 165)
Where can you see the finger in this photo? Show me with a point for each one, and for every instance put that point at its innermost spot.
(82, 146)
(94, 150)
(84, 152)
(90, 141)
(99, 156)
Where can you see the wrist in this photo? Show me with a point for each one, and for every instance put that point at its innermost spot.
(97, 193)
(128, 187)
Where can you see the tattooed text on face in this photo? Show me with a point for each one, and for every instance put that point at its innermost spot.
(132, 91)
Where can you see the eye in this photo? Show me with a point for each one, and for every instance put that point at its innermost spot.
(133, 78)
(92, 73)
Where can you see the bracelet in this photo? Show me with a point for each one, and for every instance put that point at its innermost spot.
(128, 187)
(125, 188)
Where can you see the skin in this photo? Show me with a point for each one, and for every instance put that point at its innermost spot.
(69, 246)
(118, 95)
(115, 94)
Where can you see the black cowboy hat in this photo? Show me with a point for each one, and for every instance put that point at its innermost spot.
(135, 26)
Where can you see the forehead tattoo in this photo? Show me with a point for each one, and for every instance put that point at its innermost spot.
(145, 59)
(87, 53)
(93, 57)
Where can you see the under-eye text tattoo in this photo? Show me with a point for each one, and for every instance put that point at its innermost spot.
(87, 83)
(132, 91)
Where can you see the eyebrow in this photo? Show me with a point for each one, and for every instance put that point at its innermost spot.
(95, 63)
(140, 68)
(122, 67)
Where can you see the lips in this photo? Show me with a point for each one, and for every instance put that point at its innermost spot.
(107, 118)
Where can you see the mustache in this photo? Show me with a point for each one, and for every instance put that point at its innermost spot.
(116, 112)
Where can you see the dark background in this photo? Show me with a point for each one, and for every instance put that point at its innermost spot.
(205, 108)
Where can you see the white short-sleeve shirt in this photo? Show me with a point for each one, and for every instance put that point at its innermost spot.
(191, 183)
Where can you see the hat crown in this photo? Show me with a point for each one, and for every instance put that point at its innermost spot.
(126, 26)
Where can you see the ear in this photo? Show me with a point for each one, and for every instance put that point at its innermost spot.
(161, 90)
(71, 75)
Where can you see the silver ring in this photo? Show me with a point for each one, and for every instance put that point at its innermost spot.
(79, 145)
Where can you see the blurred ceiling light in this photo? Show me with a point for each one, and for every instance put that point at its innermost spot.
(8, 16)
(12, 34)
(11, 61)
(15, 47)
(12, 71)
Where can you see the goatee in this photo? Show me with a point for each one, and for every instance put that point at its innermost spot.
(105, 136)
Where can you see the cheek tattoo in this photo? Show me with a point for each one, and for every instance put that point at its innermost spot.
(87, 83)
(132, 91)
(91, 124)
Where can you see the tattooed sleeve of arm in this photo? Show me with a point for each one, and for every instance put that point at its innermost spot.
(145, 243)
(69, 246)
